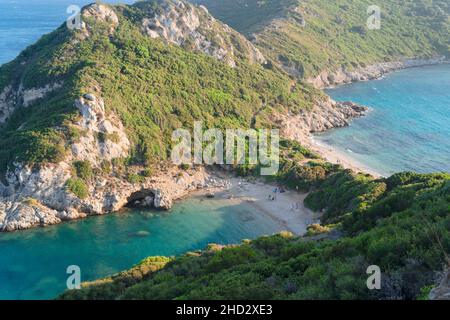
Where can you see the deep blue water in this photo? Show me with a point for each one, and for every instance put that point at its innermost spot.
(408, 127)
(22, 22)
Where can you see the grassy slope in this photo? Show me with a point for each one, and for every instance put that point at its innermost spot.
(400, 224)
(152, 86)
(336, 35)
(247, 16)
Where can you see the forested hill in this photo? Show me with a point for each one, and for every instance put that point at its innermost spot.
(155, 75)
(311, 36)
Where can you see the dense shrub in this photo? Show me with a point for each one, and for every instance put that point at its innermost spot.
(78, 187)
(409, 244)
(83, 170)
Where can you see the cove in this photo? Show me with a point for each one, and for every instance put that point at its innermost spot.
(33, 263)
(408, 128)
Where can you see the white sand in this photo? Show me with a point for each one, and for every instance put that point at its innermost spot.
(287, 210)
(335, 156)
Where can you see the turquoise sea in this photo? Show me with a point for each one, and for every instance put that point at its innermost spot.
(408, 127)
(33, 263)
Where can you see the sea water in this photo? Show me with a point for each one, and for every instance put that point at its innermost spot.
(23, 22)
(33, 263)
(408, 128)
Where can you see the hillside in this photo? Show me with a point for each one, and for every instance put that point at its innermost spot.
(86, 115)
(312, 36)
(154, 86)
(400, 224)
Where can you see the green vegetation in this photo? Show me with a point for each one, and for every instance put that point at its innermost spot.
(83, 170)
(153, 87)
(317, 35)
(407, 239)
(78, 187)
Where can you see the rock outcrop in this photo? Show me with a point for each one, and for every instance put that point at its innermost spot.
(442, 291)
(103, 137)
(39, 196)
(7, 103)
(325, 115)
(15, 96)
(341, 76)
(183, 24)
(99, 13)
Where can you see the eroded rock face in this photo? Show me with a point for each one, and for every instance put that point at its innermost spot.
(442, 291)
(100, 13)
(33, 94)
(20, 215)
(325, 115)
(328, 79)
(193, 27)
(103, 136)
(40, 198)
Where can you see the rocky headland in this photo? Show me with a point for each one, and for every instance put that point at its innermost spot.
(328, 79)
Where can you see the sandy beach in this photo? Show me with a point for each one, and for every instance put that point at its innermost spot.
(335, 156)
(287, 209)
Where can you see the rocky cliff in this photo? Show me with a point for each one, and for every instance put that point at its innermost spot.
(181, 23)
(328, 78)
(326, 114)
(92, 134)
(442, 290)
(39, 196)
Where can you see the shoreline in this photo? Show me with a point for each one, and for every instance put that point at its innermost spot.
(288, 210)
(332, 79)
(336, 156)
(341, 77)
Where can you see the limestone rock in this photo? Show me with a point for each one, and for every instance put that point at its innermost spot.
(442, 291)
(325, 115)
(187, 25)
(25, 215)
(101, 13)
(14, 96)
(104, 136)
(328, 79)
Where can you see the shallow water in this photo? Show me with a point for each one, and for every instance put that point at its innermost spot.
(33, 263)
(408, 127)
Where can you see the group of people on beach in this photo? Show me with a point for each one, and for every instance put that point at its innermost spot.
(273, 195)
